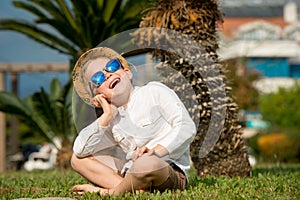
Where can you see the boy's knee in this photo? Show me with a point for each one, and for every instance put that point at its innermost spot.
(148, 164)
(75, 162)
(149, 168)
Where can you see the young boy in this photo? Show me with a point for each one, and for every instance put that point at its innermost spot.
(148, 124)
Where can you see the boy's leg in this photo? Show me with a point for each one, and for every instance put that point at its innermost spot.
(148, 172)
(100, 170)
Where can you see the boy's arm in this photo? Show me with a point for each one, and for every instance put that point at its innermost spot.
(183, 127)
(92, 139)
(97, 136)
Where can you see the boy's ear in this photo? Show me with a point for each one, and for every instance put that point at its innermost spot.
(128, 71)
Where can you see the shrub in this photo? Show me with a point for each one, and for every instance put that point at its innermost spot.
(279, 147)
(282, 109)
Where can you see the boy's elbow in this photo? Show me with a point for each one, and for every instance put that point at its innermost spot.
(74, 161)
(78, 153)
(193, 128)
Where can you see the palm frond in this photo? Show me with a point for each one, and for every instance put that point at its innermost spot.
(134, 8)
(111, 7)
(49, 7)
(29, 8)
(67, 34)
(68, 15)
(38, 35)
(55, 89)
(12, 104)
(43, 107)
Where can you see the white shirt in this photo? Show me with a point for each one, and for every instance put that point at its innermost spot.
(154, 115)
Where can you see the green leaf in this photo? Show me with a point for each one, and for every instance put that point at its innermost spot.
(12, 104)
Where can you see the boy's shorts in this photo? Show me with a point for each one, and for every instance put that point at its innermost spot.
(176, 179)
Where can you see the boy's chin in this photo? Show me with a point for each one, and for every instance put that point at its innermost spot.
(119, 100)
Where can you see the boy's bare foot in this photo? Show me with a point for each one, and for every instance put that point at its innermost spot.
(79, 190)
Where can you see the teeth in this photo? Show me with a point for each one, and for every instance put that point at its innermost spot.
(114, 83)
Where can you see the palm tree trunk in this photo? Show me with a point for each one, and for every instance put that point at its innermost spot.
(198, 19)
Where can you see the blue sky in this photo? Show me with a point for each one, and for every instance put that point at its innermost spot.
(15, 47)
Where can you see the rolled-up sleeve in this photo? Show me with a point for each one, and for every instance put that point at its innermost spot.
(92, 139)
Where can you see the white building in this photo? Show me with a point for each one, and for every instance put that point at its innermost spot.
(267, 42)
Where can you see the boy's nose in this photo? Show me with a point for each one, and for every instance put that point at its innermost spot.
(107, 75)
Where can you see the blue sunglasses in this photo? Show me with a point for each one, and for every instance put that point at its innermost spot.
(99, 77)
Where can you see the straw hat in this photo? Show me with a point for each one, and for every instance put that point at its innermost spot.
(79, 80)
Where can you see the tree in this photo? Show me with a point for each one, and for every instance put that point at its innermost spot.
(198, 19)
(282, 109)
(48, 114)
(75, 25)
(243, 90)
(69, 27)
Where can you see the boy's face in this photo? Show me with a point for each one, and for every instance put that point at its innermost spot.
(117, 86)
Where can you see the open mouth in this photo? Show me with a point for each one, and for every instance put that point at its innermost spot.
(114, 83)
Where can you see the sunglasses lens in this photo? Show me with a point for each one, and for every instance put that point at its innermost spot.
(113, 65)
(98, 78)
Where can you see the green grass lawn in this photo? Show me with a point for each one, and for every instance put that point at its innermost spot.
(266, 182)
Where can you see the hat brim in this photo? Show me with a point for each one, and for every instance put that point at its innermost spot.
(78, 72)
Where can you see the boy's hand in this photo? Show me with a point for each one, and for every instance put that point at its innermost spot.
(140, 151)
(159, 151)
(109, 110)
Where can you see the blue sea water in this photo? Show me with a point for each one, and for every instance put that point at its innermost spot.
(28, 83)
